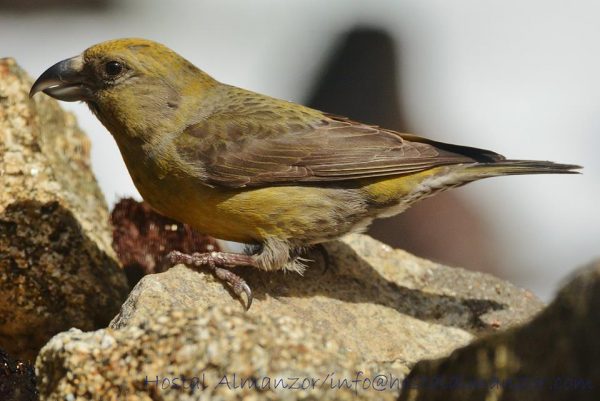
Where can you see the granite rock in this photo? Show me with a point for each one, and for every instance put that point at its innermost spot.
(552, 358)
(57, 267)
(371, 309)
(214, 348)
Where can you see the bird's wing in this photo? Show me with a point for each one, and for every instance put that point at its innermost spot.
(238, 150)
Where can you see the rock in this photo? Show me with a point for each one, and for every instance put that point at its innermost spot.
(17, 380)
(207, 345)
(552, 358)
(404, 294)
(374, 309)
(57, 267)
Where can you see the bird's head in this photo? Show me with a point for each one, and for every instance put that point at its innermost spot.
(125, 79)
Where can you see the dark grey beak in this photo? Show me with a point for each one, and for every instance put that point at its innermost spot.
(64, 81)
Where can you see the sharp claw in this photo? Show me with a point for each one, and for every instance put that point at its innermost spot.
(211, 260)
(248, 292)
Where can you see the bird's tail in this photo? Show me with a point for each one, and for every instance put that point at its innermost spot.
(517, 167)
(442, 178)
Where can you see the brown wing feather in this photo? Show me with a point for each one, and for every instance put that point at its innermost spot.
(244, 151)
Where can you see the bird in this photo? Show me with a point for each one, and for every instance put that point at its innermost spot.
(246, 167)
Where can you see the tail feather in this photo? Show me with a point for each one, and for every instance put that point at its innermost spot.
(455, 175)
(517, 167)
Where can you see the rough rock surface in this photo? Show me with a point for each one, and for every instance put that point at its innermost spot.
(207, 346)
(552, 358)
(375, 309)
(57, 267)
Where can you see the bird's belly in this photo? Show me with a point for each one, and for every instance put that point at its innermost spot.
(294, 213)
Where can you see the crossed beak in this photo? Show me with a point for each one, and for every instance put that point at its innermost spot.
(65, 80)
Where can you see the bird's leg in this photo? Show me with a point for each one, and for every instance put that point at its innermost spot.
(219, 262)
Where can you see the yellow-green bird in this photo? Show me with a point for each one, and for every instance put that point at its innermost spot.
(246, 167)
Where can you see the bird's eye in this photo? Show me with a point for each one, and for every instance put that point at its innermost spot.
(113, 68)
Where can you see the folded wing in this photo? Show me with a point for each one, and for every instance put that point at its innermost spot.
(239, 152)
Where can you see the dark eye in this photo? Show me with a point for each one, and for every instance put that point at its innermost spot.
(113, 68)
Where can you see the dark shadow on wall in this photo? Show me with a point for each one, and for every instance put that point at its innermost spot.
(31, 6)
(360, 81)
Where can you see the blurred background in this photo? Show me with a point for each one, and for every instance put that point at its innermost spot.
(520, 77)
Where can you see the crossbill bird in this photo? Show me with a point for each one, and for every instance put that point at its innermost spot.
(250, 168)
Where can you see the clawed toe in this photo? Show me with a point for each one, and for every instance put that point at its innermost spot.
(248, 292)
(239, 287)
(237, 284)
(213, 261)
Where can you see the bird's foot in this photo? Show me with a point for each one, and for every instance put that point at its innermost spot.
(218, 262)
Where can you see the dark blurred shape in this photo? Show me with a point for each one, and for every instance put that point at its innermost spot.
(44, 5)
(360, 82)
(142, 238)
(17, 380)
(554, 357)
